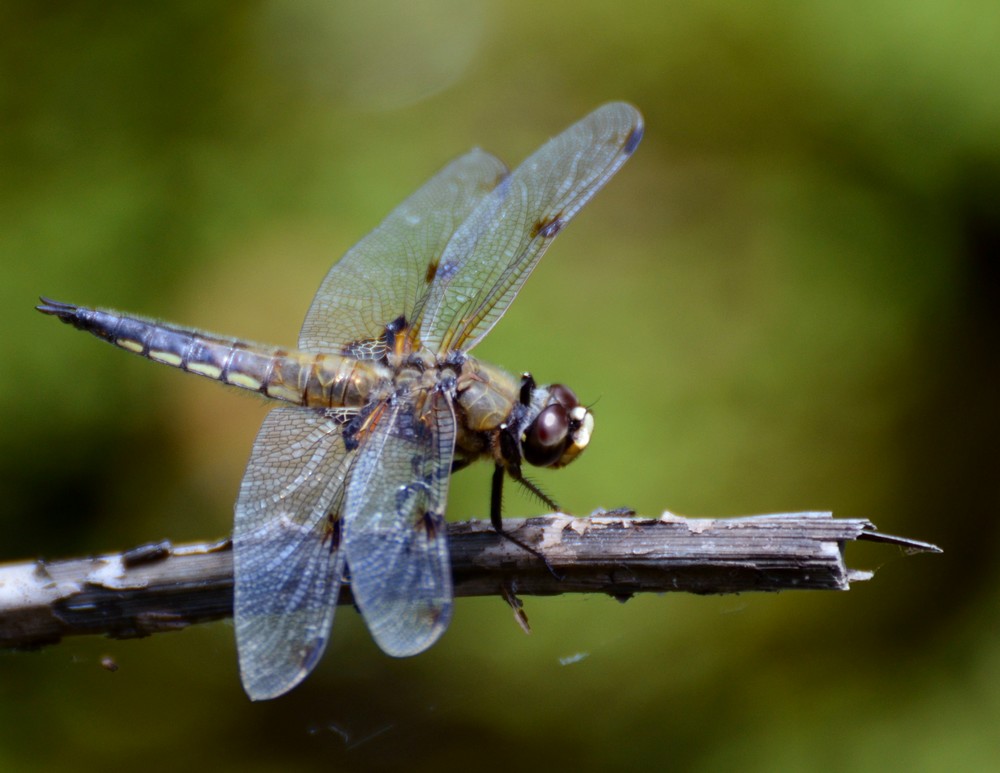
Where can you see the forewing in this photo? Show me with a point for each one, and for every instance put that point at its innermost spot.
(384, 274)
(394, 529)
(493, 252)
(287, 561)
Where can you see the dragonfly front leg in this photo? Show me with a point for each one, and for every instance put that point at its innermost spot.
(497, 493)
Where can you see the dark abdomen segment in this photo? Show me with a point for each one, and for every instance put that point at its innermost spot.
(316, 380)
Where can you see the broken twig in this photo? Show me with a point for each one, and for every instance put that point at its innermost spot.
(161, 587)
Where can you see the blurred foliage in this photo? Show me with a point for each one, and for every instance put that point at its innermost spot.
(788, 300)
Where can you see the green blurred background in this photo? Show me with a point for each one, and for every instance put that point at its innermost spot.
(789, 299)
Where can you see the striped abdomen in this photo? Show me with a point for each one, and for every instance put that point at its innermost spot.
(314, 380)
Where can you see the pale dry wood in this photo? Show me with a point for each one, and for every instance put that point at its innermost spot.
(159, 588)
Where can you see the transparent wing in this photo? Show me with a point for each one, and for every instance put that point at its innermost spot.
(287, 561)
(384, 274)
(493, 252)
(394, 529)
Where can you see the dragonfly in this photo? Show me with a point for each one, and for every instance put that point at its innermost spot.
(381, 402)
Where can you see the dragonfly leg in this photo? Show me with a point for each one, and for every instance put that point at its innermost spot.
(496, 498)
(496, 512)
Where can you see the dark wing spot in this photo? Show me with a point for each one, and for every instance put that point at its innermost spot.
(398, 325)
(548, 228)
(432, 524)
(432, 269)
(392, 330)
(333, 533)
(632, 142)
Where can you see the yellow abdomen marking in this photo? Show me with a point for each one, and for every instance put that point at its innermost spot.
(168, 358)
(204, 369)
(244, 381)
(130, 345)
(283, 392)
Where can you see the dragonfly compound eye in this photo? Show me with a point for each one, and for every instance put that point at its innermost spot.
(545, 440)
(563, 395)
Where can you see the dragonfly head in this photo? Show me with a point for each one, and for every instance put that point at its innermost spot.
(559, 431)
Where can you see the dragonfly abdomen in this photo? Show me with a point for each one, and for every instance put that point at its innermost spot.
(315, 380)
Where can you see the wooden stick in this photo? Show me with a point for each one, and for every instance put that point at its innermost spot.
(161, 587)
